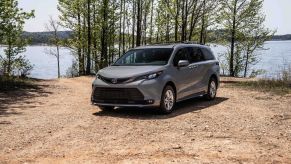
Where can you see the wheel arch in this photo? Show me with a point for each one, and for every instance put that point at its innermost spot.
(172, 84)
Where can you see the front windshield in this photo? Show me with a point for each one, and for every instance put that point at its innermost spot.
(150, 56)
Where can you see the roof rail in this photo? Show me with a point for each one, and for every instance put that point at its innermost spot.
(176, 42)
(190, 42)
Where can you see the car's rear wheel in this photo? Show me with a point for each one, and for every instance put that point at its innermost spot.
(168, 100)
(106, 108)
(212, 89)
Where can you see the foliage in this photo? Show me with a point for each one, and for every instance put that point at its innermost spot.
(105, 29)
(55, 41)
(73, 70)
(36, 38)
(13, 19)
(243, 20)
(9, 83)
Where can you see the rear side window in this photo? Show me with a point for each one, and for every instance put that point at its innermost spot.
(182, 54)
(208, 55)
(196, 55)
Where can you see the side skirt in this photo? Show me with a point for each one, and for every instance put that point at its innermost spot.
(192, 96)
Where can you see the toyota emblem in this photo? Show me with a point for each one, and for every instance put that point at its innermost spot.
(114, 81)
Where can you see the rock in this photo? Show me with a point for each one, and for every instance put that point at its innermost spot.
(177, 147)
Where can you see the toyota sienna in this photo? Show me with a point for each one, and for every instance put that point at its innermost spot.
(157, 76)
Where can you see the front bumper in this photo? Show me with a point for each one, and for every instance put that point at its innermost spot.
(151, 91)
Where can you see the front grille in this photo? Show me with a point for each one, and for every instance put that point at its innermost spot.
(118, 96)
(114, 81)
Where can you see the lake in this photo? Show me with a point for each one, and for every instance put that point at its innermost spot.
(272, 60)
(45, 65)
(277, 54)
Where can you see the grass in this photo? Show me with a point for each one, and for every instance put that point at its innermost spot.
(267, 85)
(280, 85)
(14, 83)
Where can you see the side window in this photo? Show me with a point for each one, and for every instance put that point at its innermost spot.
(182, 54)
(196, 55)
(208, 55)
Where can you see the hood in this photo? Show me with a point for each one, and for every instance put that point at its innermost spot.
(128, 71)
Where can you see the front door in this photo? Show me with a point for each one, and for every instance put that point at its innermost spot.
(182, 74)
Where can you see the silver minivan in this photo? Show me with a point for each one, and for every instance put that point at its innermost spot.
(157, 76)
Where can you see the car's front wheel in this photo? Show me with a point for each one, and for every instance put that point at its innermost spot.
(212, 89)
(168, 100)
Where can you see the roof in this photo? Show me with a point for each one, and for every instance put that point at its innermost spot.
(171, 45)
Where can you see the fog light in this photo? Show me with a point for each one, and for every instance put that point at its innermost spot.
(150, 101)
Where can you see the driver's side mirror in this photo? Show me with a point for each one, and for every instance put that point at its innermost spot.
(183, 63)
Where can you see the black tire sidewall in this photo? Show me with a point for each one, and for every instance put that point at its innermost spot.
(208, 96)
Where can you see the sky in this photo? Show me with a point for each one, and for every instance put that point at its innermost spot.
(278, 14)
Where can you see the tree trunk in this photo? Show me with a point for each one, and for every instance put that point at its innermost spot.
(104, 31)
(9, 58)
(84, 38)
(151, 22)
(95, 39)
(168, 28)
(194, 20)
(158, 29)
(88, 67)
(58, 50)
(58, 60)
(246, 63)
(120, 27)
(138, 25)
(123, 29)
(184, 20)
(202, 25)
(145, 27)
(79, 49)
(233, 33)
(176, 19)
(133, 23)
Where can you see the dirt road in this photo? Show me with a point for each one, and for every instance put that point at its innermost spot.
(55, 122)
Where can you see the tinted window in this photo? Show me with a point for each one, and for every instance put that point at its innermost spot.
(151, 56)
(196, 55)
(208, 54)
(182, 54)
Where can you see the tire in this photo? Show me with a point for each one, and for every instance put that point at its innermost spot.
(168, 100)
(106, 108)
(212, 90)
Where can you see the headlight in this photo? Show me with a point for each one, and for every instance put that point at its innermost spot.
(149, 76)
(153, 75)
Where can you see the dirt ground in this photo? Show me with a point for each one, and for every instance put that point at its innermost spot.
(54, 122)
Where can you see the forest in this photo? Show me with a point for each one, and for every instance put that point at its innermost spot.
(103, 30)
(39, 38)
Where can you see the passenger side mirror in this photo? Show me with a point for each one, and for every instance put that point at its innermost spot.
(183, 63)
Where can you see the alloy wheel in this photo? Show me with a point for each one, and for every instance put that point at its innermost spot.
(212, 89)
(169, 100)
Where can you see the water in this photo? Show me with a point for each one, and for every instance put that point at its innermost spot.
(272, 60)
(45, 66)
